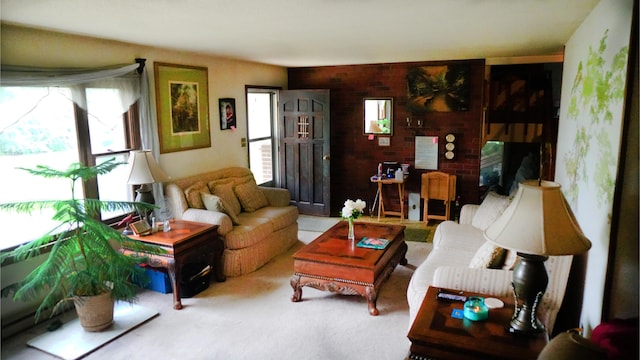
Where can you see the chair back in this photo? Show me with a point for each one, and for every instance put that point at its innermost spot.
(438, 185)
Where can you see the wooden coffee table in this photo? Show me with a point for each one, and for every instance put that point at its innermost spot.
(333, 263)
(435, 334)
(187, 242)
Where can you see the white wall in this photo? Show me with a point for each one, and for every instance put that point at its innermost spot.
(589, 135)
(227, 79)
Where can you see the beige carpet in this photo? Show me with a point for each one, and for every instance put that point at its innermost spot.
(252, 317)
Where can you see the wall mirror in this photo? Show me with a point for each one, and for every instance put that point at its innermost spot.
(378, 116)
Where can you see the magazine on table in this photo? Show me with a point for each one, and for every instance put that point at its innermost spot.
(373, 243)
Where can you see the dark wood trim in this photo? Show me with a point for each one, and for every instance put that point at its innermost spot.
(631, 96)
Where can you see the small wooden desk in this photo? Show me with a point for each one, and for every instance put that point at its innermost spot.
(435, 334)
(333, 263)
(390, 181)
(187, 241)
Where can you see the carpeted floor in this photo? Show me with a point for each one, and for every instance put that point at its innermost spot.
(252, 316)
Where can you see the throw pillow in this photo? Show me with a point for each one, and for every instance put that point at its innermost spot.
(491, 208)
(488, 256)
(250, 196)
(216, 203)
(212, 202)
(510, 259)
(192, 193)
(229, 199)
(213, 183)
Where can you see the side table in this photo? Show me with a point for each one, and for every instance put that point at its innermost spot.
(434, 334)
(186, 242)
(388, 181)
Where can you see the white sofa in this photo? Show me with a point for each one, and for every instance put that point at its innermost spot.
(457, 246)
(256, 223)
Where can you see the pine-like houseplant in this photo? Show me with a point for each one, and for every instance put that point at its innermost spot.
(83, 259)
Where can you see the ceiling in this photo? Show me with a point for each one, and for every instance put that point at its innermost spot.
(296, 33)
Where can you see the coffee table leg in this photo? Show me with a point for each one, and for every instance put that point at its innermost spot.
(297, 289)
(372, 298)
(175, 284)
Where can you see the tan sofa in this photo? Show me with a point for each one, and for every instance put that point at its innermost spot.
(461, 255)
(256, 223)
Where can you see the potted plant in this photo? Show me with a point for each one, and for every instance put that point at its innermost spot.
(83, 263)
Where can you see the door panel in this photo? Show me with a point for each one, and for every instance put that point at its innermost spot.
(304, 149)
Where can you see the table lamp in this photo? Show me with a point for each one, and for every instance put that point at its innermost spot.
(537, 224)
(144, 171)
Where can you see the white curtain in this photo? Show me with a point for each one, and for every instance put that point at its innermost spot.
(133, 85)
(150, 140)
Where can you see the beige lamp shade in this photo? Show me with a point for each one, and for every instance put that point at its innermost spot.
(538, 221)
(143, 169)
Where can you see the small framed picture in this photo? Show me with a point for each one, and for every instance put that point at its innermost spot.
(384, 141)
(141, 228)
(227, 113)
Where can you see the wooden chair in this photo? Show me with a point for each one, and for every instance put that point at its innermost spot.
(437, 185)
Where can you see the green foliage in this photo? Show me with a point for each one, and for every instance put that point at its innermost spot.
(594, 91)
(82, 259)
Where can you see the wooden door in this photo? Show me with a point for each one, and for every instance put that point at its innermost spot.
(303, 151)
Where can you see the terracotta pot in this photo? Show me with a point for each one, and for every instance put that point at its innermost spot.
(95, 312)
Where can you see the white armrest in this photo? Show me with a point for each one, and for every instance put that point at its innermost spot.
(210, 217)
(486, 281)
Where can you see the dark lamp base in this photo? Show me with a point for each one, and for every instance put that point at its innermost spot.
(530, 281)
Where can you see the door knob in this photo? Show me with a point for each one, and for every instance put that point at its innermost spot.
(326, 157)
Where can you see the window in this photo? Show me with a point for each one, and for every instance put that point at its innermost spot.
(261, 114)
(43, 125)
(491, 163)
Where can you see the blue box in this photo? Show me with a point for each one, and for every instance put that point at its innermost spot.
(158, 280)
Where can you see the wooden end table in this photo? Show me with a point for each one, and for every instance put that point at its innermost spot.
(435, 334)
(333, 263)
(389, 181)
(186, 242)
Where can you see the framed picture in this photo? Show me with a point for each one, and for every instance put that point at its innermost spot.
(440, 88)
(182, 102)
(378, 116)
(227, 108)
(141, 228)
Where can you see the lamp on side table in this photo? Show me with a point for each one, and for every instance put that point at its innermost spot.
(537, 224)
(144, 171)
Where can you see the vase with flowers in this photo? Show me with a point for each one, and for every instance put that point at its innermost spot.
(351, 211)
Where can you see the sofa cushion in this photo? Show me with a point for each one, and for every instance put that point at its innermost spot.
(250, 231)
(230, 201)
(488, 256)
(192, 193)
(216, 203)
(255, 226)
(491, 208)
(458, 238)
(281, 216)
(250, 196)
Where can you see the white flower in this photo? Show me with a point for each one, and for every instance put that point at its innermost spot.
(353, 209)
